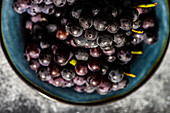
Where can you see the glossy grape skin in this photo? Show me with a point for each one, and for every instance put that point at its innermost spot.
(104, 87)
(34, 65)
(113, 26)
(34, 9)
(44, 44)
(58, 82)
(104, 69)
(79, 80)
(119, 39)
(86, 21)
(89, 89)
(76, 12)
(110, 58)
(48, 9)
(43, 74)
(94, 65)
(100, 23)
(74, 30)
(91, 44)
(54, 70)
(51, 28)
(48, 2)
(61, 33)
(110, 52)
(37, 1)
(81, 54)
(138, 38)
(33, 50)
(125, 23)
(95, 10)
(79, 88)
(68, 74)
(29, 25)
(115, 87)
(67, 84)
(105, 42)
(18, 8)
(124, 56)
(91, 34)
(59, 3)
(80, 41)
(95, 52)
(116, 75)
(123, 83)
(93, 79)
(81, 68)
(151, 36)
(148, 22)
(137, 24)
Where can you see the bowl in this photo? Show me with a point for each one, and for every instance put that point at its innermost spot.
(12, 42)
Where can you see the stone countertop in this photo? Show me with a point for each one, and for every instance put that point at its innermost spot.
(17, 97)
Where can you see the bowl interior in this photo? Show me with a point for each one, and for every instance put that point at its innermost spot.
(13, 42)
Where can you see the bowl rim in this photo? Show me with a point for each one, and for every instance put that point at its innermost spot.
(99, 102)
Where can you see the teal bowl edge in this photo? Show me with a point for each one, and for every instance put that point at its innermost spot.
(103, 101)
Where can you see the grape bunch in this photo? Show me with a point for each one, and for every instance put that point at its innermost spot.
(85, 44)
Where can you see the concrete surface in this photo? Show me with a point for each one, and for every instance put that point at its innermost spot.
(17, 97)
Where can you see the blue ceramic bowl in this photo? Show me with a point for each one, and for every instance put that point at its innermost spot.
(144, 66)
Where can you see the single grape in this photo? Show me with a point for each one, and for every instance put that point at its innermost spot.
(59, 3)
(100, 23)
(81, 54)
(45, 57)
(58, 82)
(116, 75)
(119, 39)
(54, 70)
(124, 56)
(43, 74)
(33, 50)
(95, 52)
(126, 23)
(76, 12)
(34, 65)
(68, 73)
(81, 68)
(104, 87)
(79, 80)
(91, 34)
(48, 9)
(86, 20)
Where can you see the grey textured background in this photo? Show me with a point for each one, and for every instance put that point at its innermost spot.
(17, 97)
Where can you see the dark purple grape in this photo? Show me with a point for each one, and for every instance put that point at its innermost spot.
(124, 56)
(138, 38)
(91, 34)
(94, 65)
(61, 33)
(86, 21)
(80, 41)
(34, 65)
(110, 52)
(95, 52)
(36, 1)
(113, 27)
(57, 47)
(17, 6)
(128, 33)
(79, 80)
(29, 25)
(91, 44)
(110, 58)
(58, 82)
(135, 14)
(81, 68)
(104, 87)
(114, 12)
(71, 2)
(123, 83)
(119, 39)
(48, 2)
(74, 30)
(45, 44)
(76, 12)
(43, 74)
(37, 18)
(126, 23)
(116, 75)
(59, 3)
(34, 9)
(27, 57)
(81, 54)
(62, 58)
(95, 10)
(137, 24)
(48, 9)
(100, 23)
(148, 22)
(115, 87)
(93, 79)
(58, 13)
(104, 69)
(89, 89)
(79, 88)
(68, 73)
(45, 57)
(54, 70)
(67, 84)
(51, 28)
(105, 41)
(33, 50)
(37, 32)
(151, 36)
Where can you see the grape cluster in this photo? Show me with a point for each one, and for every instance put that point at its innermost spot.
(84, 44)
